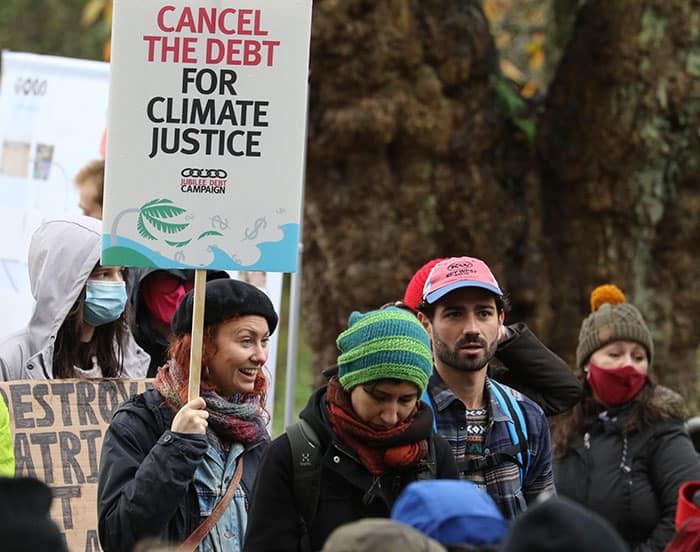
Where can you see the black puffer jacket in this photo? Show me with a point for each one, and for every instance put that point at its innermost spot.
(524, 363)
(348, 489)
(145, 487)
(633, 481)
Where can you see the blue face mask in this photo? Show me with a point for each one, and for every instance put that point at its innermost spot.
(104, 302)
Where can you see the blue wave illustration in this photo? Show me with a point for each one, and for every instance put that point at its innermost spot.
(279, 256)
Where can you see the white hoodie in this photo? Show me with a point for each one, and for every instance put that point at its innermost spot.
(62, 254)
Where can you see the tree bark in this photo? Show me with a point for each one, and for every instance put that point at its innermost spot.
(411, 156)
(619, 157)
(405, 154)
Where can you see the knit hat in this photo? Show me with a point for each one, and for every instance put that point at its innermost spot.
(452, 512)
(225, 299)
(458, 272)
(379, 534)
(558, 524)
(385, 343)
(611, 319)
(413, 296)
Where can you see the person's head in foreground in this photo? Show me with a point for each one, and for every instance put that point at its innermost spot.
(558, 524)
(455, 513)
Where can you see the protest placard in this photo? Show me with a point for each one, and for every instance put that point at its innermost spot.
(53, 112)
(57, 428)
(206, 134)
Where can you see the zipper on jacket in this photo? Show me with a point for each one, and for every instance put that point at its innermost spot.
(369, 495)
(624, 466)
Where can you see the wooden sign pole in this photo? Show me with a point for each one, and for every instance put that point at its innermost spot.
(200, 284)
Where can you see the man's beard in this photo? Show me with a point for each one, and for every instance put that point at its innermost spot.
(450, 356)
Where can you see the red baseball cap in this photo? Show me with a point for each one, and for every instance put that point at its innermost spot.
(458, 272)
(413, 296)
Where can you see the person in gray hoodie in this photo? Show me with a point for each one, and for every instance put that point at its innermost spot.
(78, 327)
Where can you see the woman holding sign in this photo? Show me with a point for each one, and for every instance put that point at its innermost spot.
(183, 471)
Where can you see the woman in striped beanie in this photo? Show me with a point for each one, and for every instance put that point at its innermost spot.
(370, 433)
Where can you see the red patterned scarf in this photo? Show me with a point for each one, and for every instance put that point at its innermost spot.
(400, 447)
(235, 419)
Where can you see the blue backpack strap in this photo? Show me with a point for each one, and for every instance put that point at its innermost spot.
(427, 400)
(518, 429)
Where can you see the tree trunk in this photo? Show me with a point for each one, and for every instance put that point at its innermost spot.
(411, 156)
(619, 154)
(405, 154)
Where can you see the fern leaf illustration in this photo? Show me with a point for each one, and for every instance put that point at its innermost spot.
(178, 244)
(166, 227)
(142, 230)
(209, 233)
(162, 208)
(164, 211)
(157, 201)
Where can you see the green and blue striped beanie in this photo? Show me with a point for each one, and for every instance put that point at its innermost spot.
(386, 343)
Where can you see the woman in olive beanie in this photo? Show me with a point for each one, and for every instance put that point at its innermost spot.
(374, 437)
(623, 451)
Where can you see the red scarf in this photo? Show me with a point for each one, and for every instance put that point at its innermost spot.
(400, 447)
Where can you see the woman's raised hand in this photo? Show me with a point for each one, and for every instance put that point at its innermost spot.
(191, 418)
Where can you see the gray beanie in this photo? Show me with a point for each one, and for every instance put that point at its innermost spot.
(611, 320)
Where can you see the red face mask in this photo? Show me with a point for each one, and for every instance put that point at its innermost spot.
(616, 386)
(163, 295)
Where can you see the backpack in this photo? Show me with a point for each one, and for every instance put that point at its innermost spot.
(517, 453)
(306, 468)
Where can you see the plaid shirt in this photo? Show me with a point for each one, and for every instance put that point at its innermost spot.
(503, 481)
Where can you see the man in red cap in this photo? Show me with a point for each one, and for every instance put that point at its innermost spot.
(499, 437)
(521, 361)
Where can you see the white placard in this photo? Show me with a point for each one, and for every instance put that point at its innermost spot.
(52, 118)
(206, 133)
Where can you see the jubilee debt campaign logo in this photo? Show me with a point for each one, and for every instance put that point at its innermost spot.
(203, 181)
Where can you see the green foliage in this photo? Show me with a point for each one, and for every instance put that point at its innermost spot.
(49, 27)
(91, 12)
(304, 377)
(516, 108)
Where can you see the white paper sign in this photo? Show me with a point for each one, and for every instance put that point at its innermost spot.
(206, 132)
(52, 117)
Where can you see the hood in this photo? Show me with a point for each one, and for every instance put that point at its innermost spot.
(666, 403)
(135, 276)
(62, 254)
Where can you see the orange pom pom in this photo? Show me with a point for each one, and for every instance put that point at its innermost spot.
(606, 294)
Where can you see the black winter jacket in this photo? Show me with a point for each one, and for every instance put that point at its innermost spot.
(145, 487)
(348, 489)
(524, 363)
(632, 482)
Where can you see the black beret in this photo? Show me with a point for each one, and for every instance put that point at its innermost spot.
(225, 299)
